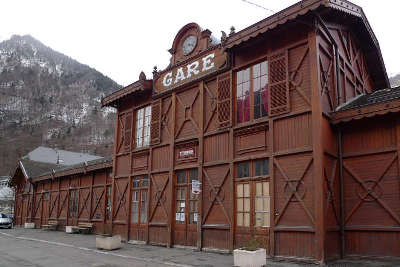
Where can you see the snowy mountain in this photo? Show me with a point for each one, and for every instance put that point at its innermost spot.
(47, 98)
(395, 80)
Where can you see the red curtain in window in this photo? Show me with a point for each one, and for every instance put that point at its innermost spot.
(265, 98)
(243, 109)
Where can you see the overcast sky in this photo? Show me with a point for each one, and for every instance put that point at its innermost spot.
(122, 38)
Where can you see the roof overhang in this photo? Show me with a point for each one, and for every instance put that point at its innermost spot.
(303, 7)
(140, 86)
(83, 168)
(20, 168)
(368, 111)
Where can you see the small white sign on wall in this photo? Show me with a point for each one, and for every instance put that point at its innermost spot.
(196, 187)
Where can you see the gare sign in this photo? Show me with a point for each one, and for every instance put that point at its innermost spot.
(198, 68)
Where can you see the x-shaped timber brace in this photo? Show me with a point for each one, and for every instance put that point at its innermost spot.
(213, 106)
(85, 206)
(330, 198)
(294, 74)
(216, 190)
(121, 199)
(97, 202)
(165, 118)
(122, 131)
(37, 206)
(369, 191)
(158, 195)
(294, 190)
(188, 114)
(325, 76)
(63, 203)
(52, 206)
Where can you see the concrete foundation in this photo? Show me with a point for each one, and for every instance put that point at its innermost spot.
(108, 242)
(244, 258)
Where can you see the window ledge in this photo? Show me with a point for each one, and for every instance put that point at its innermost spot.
(251, 123)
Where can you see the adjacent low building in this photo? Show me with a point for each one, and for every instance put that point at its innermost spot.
(63, 186)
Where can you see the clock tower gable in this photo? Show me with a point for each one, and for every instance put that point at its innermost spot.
(189, 42)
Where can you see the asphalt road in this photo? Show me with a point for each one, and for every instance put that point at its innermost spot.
(19, 252)
(35, 247)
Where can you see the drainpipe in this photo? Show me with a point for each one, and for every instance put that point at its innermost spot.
(342, 233)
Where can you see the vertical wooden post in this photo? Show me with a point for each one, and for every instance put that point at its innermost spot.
(114, 171)
(68, 195)
(171, 172)
(91, 197)
(59, 196)
(271, 187)
(129, 198)
(79, 193)
(231, 166)
(200, 169)
(318, 151)
(149, 188)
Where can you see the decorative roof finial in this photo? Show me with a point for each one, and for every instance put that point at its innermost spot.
(223, 37)
(155, 70)
(142, 76)
(232, 31)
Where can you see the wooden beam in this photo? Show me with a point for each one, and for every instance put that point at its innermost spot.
(318, 153)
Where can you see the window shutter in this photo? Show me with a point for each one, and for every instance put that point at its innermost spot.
(155, 127)
(279, 84)
(128, 131)
(224, 100)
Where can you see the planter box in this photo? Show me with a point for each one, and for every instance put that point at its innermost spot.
(108, 242)
(29, 225)
(71, 229)
(244, 258)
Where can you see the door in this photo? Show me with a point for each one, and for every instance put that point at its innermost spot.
(186, 209)
(252, 203)
(139, 208)
(73, 207)
(108, 210)
(45, 212)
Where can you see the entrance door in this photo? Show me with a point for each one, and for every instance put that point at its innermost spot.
(73, 207)
(139, 208)
(252, 203)
(186, 209)
(45, 212)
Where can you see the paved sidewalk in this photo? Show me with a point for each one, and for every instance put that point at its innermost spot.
(36, 247)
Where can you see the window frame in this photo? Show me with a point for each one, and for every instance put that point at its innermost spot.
(141, 188)
(190, 199)
(251, 91)
(143, 126)
(252, 181)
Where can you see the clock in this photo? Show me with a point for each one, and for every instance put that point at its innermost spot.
(189, 44)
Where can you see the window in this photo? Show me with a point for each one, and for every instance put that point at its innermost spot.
(186, 201)
(109, 203)
(143, 119)
(46, 196)
(243, 204)
(258, 214)
(252, 92)
(243, 169)
(252, 168)
(252, 194)
(262, 167)
(139, 199)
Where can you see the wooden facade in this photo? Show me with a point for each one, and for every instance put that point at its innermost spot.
(70, 196)
(255, 119)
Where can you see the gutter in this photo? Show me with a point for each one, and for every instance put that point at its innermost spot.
(23, 170)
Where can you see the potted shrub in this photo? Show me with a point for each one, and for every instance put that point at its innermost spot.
(251, 255)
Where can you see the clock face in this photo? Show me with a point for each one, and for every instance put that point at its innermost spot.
(189, 44)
